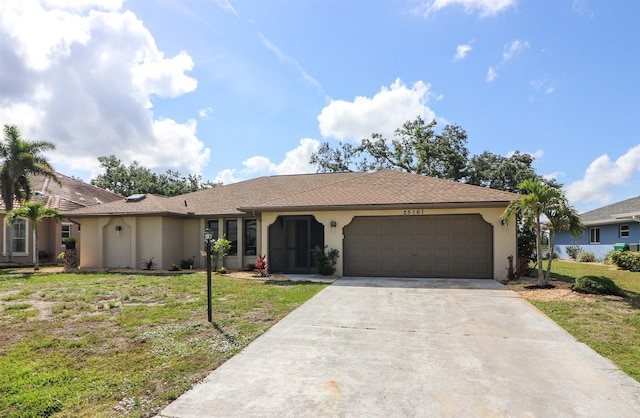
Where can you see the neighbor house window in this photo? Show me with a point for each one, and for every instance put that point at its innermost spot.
(624, 231)
(19, 243)
(594, 234)
(66, 231)
(231, 231)
(213, 226)
(250, 237)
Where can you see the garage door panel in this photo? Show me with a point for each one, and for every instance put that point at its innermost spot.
(419, 246)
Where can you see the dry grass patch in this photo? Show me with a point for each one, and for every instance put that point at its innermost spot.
(104, 345)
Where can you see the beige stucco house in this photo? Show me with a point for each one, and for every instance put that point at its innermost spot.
(386, 223)
(65, 196)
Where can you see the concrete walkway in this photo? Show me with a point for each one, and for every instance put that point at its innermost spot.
(414, 348)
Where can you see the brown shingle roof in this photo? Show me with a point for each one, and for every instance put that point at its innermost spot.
(324, 190)
(69, 195)
(388, 187)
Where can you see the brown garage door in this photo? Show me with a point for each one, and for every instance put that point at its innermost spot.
(451, 246)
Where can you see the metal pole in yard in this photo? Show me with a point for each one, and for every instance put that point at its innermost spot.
(208, 234)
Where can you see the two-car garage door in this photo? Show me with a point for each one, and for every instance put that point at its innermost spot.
(449, 246)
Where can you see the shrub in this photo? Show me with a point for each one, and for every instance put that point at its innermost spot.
(598, 285)
(187, 264)
(261, 266)
(223, 270)
(148, 264)
(325, 261)
(586, 257)
(573, 251)
(626, 260)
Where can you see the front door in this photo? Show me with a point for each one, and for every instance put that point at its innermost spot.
(291, 242)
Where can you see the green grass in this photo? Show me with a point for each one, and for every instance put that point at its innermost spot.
(609, 325)
(103, 345)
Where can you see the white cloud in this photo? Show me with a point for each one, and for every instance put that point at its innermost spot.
(581, 7)
(225, 5)
(227, 176)
(83, 75)
(535, 154)
(514, 49)
(510, 51)
(483, 7)
(461, 52)
(308, 79)
(544, 85)
(554, 175)
(296, 161)
(205, 112)
(386, 111)
(491, 74)
(76, 5)
(602, 175)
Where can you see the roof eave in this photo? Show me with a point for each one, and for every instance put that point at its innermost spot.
(376, 206)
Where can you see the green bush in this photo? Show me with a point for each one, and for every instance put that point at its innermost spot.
(325, 262)
(586, 257)
(626, 260)
(598, 285)
(573, 251)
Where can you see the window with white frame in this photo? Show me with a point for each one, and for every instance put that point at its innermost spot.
(66, 231)
(19, 241)
(594, 236)
(624, 231)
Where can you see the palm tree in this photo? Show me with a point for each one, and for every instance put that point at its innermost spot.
(19, 159)
(561, 217)
(34, 212)
(537, 198)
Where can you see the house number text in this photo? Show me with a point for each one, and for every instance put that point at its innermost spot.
(413, 212)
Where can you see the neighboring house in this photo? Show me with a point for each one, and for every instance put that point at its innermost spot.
(386, 223)
(618, 223)
(70, 194)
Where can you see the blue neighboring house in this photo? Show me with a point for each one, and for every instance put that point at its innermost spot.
(618, 223)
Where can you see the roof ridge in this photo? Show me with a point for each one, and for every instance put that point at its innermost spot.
(338, 181)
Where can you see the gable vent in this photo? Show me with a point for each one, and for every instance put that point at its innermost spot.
(136, 197)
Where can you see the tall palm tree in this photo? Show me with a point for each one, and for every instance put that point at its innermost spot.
(20, 158)
(561, 217)
(537, 198)
(34, 212)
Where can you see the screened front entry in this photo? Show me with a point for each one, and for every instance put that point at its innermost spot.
(291, 242)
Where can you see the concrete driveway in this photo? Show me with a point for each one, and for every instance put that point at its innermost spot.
(414, 348)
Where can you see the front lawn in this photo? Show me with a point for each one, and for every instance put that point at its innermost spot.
(608, 324)
(80, 345)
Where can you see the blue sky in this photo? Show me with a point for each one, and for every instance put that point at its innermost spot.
(235, 89)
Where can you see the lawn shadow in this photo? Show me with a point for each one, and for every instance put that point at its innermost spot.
(289, 282)
(230, 339)
(14, 276)
(632, 299)
(562, 278)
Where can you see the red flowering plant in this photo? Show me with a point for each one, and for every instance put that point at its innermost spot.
(261, 266)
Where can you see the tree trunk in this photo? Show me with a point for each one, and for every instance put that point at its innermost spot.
(8, 257)
(7, 197)
(541, 281)
(37, 253)
(552, 243)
